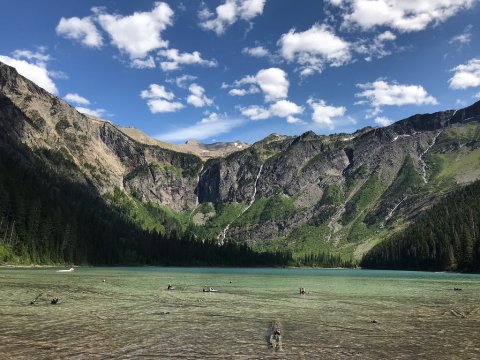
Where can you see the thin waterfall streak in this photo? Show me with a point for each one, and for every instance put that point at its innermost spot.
(223, 234)
(420, 158)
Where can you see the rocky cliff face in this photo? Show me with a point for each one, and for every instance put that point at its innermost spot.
(340, 192)
(102, 154)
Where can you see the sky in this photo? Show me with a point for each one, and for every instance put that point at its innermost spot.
(227, 70)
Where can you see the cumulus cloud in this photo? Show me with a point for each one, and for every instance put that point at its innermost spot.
(212, 125)
(174, 59)
(160, 99)
(83, 30)
(147, 63)
(404, 16)
(156, 91)
(326, 115)
(382, 121)
(379, 47)
(273, 82)
(243, 92)
(477, 95)
(257, 51)
(228, 13)
(92, 112)
(139, 33)
(160, 106)
(381, 93)
(466, 75)
(182, 81)
(282, 108)
(314, 49)
(76, 99)
(35, 69)
(197, 96)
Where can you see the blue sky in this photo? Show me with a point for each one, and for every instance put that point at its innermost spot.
(225, 70)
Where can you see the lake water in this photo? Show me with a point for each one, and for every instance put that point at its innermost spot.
(132, 314)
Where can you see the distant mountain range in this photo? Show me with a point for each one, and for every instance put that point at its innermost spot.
(340, 194)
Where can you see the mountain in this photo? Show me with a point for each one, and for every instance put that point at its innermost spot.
(445, 237)
(339, 194)
(203, 151)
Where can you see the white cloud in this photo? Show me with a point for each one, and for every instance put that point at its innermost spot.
(38, 56)
(282, 108)
(386, 36)
(243, 92)
(324, 114)
(285, 108)
(156, 91)
(160, 99)
(76, 99)
(160, 106)
(477, 95)
(147, 63)
(213, 125)
(258, 51)
(464, 38)
(92, 112)
(401, 15)
(83, 30)
(466, 75)
(382, 121)
(176, 59)
(197, 96)
(36, 72)
(255, 112)
(139, 33)
(182, 81)
(381, 93)
(273, 82)
(228, 13)
(376, 48)
(248, 9)
(314, 48)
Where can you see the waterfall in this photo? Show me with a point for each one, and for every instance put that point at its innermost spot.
(198, 182)
(197, 191)
(254, 189)
(221, 237)
(392, 211)
(420, 158)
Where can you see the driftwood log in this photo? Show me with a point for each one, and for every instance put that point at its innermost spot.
(275, 336)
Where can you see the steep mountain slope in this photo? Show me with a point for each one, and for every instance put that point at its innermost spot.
(340, 194)
(444, 238)
(106, 156)
(343, 192)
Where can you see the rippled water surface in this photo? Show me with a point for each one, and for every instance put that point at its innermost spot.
(346, 314)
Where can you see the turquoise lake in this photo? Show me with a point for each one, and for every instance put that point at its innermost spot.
(128, 313)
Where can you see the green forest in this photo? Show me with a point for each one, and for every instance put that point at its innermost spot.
(48, 219)
(444, 238)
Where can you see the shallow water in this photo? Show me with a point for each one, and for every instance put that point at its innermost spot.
(132, 314)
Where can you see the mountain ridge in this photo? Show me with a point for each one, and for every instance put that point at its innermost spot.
(341, 193)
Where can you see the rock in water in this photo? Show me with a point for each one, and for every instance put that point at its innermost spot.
(275, 338)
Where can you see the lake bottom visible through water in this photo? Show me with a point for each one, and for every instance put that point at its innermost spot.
(128, 313)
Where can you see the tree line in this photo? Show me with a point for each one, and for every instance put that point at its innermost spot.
(46, 218)
(444, 238)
